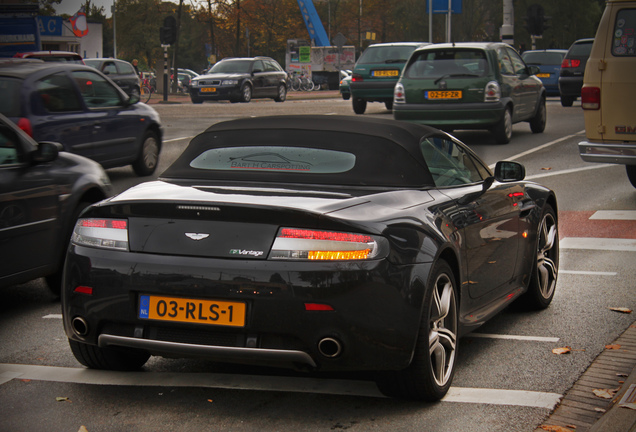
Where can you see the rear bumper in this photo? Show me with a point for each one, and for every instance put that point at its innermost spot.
(571, 86)
(375, 316)
(379, 91)
(458, 116)
(624, 154)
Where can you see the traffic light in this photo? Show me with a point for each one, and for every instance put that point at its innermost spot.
(536, 21)
(168, 33)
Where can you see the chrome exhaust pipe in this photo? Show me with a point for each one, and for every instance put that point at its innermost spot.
(80, 326)
(330, 347)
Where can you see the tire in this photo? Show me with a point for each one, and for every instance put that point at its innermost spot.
(282, 93)
(546, 267)
(246, 93)
(431, 371)
(54, 281)
(631, 174)
(503, 130)
(359, 105)
(537, 123)
(567, 101)
(196, 100)
(389, 105)
(346, 96)
(146, 163)
(115, 359)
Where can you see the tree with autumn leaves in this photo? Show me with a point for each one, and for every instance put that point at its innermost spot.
(214, 29)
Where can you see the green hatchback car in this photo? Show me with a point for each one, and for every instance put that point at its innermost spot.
(377, 71)
(470, 86)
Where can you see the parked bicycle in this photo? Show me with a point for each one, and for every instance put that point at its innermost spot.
(300, 82)
(145, 91)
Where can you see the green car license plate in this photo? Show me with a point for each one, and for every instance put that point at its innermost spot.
(444, 94)
(385, 73)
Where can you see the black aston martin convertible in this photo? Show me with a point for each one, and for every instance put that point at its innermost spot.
(315, 242)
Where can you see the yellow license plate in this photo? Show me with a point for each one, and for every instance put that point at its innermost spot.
(543, 75)
(208, 89)
(385, 73)
(197, 311)
(444, 94)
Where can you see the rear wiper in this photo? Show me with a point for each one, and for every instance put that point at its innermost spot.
(455, 76)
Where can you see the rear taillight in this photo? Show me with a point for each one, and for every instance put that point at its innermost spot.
(492, 92)
(101, 233)
(590, 98)
(356, 78)
(25, 125)
(398, 94)
(304, 244)
(570, 63)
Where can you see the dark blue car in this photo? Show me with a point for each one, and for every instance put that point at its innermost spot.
(549, 63)
(80, 108)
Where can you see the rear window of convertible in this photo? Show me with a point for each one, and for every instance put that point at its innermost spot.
(299, 156)
(282, 159)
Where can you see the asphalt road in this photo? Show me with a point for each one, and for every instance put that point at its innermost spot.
(507, 379)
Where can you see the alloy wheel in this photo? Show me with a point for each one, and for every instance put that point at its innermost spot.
(443, 330)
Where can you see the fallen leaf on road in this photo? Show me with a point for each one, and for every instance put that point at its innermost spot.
(621, 310)
(82, 429)
(612, 347)
(62, 399)
(601, 410)
(605, 393)
(551, 428)
(546, 169)
(563, 350)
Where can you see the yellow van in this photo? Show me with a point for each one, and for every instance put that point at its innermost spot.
(608, 96)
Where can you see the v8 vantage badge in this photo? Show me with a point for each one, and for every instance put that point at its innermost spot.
(246, 252)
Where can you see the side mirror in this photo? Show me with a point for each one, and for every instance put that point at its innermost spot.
(46, 152)
(533, 70)
(507, 171)
(134, 98)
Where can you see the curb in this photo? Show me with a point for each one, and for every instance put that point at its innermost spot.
(582, 411)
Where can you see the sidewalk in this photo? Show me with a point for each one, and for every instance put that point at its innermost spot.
(157, 98)
(581, 410)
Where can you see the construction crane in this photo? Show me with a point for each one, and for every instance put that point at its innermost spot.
(314, 25)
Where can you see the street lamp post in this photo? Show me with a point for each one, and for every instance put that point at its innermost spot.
(113, 9)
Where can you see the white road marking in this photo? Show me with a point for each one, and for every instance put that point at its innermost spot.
(541, 147)
(503, 397)
(514, 337)
(614, 215)
(610, 244)
(587, 273)
(264, 383)
(52, 316)
(569, 171)
(177, 139)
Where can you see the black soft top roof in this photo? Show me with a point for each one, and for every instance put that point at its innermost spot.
(387, 152)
